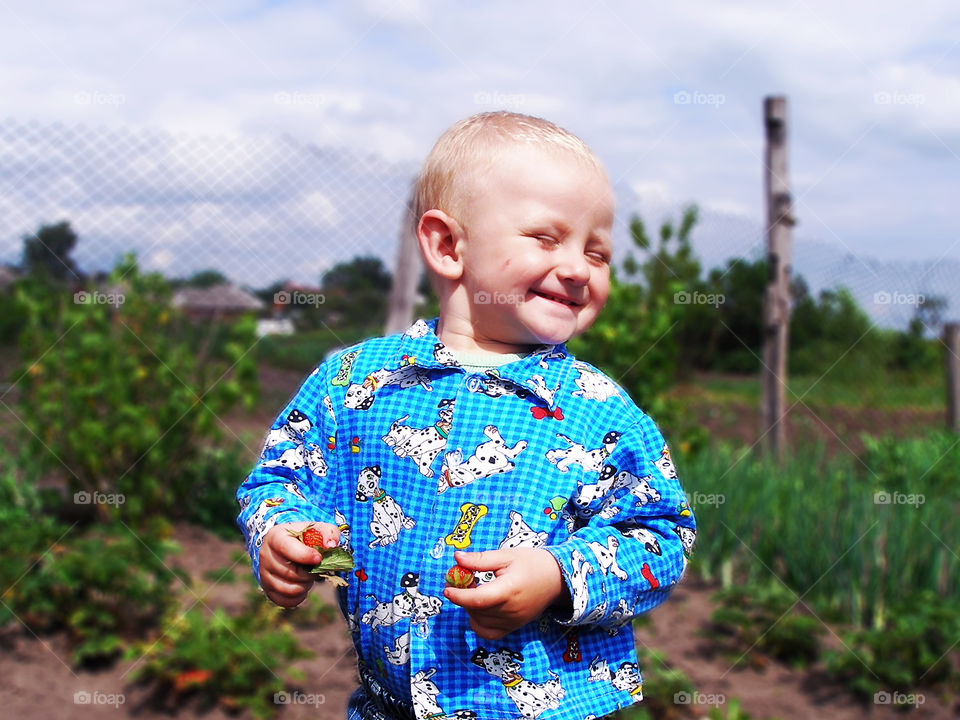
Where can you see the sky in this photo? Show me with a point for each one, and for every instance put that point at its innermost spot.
(274, 138)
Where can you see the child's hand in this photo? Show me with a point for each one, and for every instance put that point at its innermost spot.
(283, 576)
(527, 581)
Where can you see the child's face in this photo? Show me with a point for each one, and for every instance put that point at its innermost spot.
(537, 250)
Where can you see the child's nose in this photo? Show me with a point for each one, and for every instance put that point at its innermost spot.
(574, 268)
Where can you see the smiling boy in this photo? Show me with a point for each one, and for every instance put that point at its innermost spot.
(477, 439)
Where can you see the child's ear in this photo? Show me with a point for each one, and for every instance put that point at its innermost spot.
(439, 236)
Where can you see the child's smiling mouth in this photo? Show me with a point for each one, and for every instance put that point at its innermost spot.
(556, 298)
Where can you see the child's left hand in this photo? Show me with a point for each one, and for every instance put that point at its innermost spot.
(527, 581)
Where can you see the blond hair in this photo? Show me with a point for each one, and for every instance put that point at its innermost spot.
(471, 145)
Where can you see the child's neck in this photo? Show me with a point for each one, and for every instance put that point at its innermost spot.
(460, 337)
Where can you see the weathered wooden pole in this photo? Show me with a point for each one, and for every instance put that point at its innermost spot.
(951, 344)
(776, 301)
(406, 276)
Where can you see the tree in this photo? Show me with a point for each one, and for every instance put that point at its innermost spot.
(46, 253)
(356, 293)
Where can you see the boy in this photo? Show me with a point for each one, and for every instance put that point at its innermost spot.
(476, 439)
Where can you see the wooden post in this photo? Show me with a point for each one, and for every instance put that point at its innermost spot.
(776, 302)
(951, 344)
(406, 276)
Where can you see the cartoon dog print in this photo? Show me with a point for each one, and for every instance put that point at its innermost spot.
(442, 354)
(292, 431)
(638, 487)
(587, 495)
(294, 489)
(649, 540)
(388, 517)
(595, 615)
(626, 678)
(665, 464)
(400, 654)
(548, 353)
(344, 528)
(424, 693)
(531, 699)
(687, 538)
(521, 535)
(408, 603)
(607, 557)
(259, 524)
(292, 458)
(489, 458)
(492, 385)
(577, 454)
(360, 396)
(315, 461)
(541, 390)
(578, 583)
(620, 616)
(594, 386)
(422, 445)
(417, 330)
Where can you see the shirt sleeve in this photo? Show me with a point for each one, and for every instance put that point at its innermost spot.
(292, 480)
(632, 533)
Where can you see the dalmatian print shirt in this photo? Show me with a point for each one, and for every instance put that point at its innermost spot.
(413, 457)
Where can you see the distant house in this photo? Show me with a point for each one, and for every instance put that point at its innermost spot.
(219, 302)
(7, 278)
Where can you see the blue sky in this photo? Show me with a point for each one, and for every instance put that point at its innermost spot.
(669, 96)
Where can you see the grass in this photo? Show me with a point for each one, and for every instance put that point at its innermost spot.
(880, 390)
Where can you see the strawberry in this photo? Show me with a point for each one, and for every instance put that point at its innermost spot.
(459, 577)
(310, 537)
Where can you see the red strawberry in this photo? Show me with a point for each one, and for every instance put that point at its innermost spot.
(310, 537)
(460, 577)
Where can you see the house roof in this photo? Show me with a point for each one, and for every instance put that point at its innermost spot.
(224, 297)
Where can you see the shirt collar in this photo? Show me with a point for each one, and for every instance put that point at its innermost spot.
(540, 373)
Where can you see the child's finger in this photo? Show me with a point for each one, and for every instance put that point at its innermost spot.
(478, 598)
(484, 560)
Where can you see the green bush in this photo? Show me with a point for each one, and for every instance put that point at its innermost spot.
(219, 659)
(104, 586)
(113, 394)
(912, 650)
(764, 619)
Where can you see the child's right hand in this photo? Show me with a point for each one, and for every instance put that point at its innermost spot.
(284, 559)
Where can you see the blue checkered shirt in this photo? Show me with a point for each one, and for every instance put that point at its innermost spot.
(413, 457)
